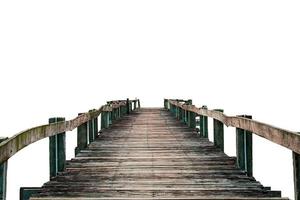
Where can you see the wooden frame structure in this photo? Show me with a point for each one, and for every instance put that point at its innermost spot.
(245, 126)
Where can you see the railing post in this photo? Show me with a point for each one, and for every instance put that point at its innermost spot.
(192, 120)
(139, 104)
(219, 132)
(296, 169)
(57, 150)
(165, 103)
(103, 120)
(204, 124)
(91, 129)
(82, 140)
(95, 127)
(127, 106)
(244, 148)
(3, 175)
(134, 105)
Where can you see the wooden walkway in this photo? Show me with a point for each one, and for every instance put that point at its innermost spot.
(150, 155)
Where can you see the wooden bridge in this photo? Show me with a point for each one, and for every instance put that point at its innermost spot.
(150, 153)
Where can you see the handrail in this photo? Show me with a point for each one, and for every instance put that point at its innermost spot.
(288, 139)
(12, 145)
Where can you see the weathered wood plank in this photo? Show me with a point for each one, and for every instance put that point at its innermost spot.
(150, 155)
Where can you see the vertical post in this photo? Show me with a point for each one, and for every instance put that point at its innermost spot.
(127, 106)
(205, 124)
(219, 132)
(57, 150)
(244, 148)
(139, 104)
(296, 169)
(82, 137)
(95, 127)
(91, 130)
(165, 103)
(192, 123)
(103, 120)
(3, 175)
(134, 105)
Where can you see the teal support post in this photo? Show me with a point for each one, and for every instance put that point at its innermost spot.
(201, 126)
(166, 103)
(26, 192)
(3, 175)
(205, 124)
(182, 116)
(244, 149)
(296, 169)
(192, 120)
(95, 127)
(91, 130)
(219, 132)
(82, 137)
(127, 106)
(110, 121)
(57, 150)
(103, 120)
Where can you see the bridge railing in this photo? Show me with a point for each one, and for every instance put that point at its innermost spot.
(186, 112)
(87, 131)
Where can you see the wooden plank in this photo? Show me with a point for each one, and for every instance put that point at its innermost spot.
(150, 155)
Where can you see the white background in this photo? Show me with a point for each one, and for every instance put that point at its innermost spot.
(62, 57)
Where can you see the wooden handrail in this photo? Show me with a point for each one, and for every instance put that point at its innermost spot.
(12, 145)
(288, 139)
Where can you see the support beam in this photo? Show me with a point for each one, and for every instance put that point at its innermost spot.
(91, 130)
(57, 150)
(296, 169)
(205, 124)
(26, 192)
(127, 106)
(103, 120)
(82, 137)
(95, 127)
(3, 176)
(192, 120)
(244, 149)
(219, 132)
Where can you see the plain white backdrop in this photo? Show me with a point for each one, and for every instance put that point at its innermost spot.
(62, 57)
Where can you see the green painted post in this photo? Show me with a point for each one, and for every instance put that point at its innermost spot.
(219, 132)
(91, 130)
(127, 106)
(82, 137)
(57, 150)
(110, 121)
(3, 175)
(26, 192)
(182, 115)
(296, 169)
(165, 103)
(103, 120)
(205, 124)
(192, 119)
(95, 127)
(244, 149)
(201, 126)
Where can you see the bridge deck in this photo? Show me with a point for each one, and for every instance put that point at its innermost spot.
(150, 155)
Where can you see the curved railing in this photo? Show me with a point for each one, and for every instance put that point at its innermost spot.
(110, 112)
(186, 112)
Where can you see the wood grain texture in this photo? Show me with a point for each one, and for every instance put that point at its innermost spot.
(151, 155)
(288, 139)
(17, 142)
